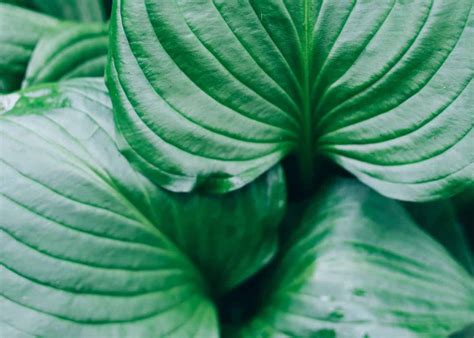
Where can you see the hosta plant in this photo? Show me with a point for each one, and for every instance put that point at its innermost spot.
(236, 168)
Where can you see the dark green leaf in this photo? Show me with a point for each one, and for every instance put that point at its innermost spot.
(358, 266)
(81, 10)
(20, 29)
(440, 221)
(91, 248)
(211, 94)
(71, 50)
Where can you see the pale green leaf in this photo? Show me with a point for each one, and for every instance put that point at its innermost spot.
(358, 266)
(91, 248)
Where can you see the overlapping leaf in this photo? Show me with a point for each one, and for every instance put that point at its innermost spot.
(210, 94)
(20, 30)
(71, 50)
(91, 248)
(358, 266)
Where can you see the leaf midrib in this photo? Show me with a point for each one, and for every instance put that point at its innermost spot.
(306, 158)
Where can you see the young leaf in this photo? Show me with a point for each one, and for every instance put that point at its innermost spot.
(20, 29)
(358, 266)
(71, 50)
(91, 248)
(211, 94)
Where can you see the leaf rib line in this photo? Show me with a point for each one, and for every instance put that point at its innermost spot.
(418, 89)
(321, 101)
(95, 293)
(427, 157)
(127, 269)
(419, 126)
(247, 49)
(232, 73)
(259, 19)
(324, 63)
(158, 135)
(101, 322)
(239, 111)
(68, 197)
(79, 230)
(384, 73)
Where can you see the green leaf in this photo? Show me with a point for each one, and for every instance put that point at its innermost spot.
(91, 248)
(358, 266)
(80, 10)
(69, 51)
(20, 29)
(440, 221)
(210, 94)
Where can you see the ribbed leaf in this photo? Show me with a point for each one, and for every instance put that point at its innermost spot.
(358, 266)
(69, 51)
(20, 30)
(91, 248)
(211, 94)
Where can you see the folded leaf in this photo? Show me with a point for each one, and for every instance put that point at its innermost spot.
(20, 29)
(69, 51)
(358, 266)
(91, 248)
(210, 94)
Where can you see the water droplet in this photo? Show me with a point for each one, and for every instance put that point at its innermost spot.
(325, 298)
(324, 333)
(358, 292)
(336, 315)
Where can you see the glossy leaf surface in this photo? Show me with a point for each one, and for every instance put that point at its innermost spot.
(358, 266)
(91, 248)
(20, 30)
(210, 94)
(69, 51)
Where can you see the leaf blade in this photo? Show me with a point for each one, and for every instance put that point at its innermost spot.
(359, 266)
(85, 230)
(323, 80)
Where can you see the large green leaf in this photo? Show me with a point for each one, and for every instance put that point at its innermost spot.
(211, 94)
(20, 30)
(358, 266)
(71, 50)
(91, 248)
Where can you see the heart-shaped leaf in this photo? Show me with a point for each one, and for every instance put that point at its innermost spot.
(20, 30)
(211, 94)
(358, 266)
(91, 248)
(71, 50)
